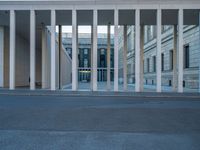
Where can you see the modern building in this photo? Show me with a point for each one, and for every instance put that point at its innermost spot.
(34, 56)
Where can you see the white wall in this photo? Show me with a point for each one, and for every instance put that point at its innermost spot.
(48, 59)
(22, 61)
(66, 64)
(66, 67)
(6, 57)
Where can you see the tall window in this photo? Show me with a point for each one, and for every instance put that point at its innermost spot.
(86, 63)
(154, 63)
(148, 65)
(85, 51)
(186, 56)
(171, 60)
(102, 51)
(162, 61)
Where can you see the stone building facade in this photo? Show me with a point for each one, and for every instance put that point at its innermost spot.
(191, 55)
(84, 55)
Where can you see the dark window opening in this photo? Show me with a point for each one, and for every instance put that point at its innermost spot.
(162, 61)
(148, 65)
(154, 63)
(186, 56)
(171, 59)
(170, 82)
(183, 83)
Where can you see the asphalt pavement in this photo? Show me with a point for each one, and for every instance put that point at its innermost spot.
(52, 122)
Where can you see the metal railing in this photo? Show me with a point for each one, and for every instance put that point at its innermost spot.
(84, 74)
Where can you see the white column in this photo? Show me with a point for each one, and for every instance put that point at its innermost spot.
(137, 50)
(94, 69)
(125, 58)
(53, 50)
(158, 60)
(1, 56)
(108, 58)
(74, 50)
(180, 51)
(175, 60)
(12, 50)
(32, 49)
(44, 58)
(116, 50)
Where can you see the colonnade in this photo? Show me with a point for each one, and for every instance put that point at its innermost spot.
(138, 50)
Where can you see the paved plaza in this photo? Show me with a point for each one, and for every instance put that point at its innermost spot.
(83, 122)
(102, 86)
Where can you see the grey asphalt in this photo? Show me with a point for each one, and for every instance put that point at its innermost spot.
(52, 122)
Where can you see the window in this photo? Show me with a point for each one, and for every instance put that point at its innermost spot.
(186, 56)
(102, 51)
(69, 50)
(170, 82)
(171, 60)
(147, 64)
(154, 63)
(102, 60)
(162, 61)
(143, 66)
(85, 63)
(85, 51)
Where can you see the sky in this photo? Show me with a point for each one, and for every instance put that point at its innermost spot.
(85, 29)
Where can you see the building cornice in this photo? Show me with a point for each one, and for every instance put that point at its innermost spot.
(97, 4)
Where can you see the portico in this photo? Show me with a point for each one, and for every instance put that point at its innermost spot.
(43, 63)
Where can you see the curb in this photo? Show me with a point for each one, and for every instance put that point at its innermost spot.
(103, 94)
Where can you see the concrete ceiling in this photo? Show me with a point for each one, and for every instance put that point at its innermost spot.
(148, 17)
(63, 17)
(126, 17)
(105, 17)
(85, 17)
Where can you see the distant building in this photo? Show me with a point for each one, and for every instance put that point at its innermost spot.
(84, 55)
(191, 54)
